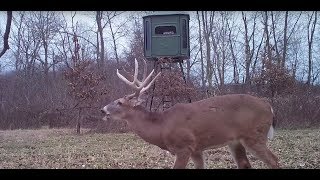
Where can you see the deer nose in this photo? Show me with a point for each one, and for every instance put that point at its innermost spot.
(102, 111)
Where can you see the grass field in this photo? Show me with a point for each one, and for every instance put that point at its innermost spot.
(62, 148)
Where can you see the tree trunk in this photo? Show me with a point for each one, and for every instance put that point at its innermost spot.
(98, 48)
(278, 58)
(46, 66)
(113, 40)
(54, 65)
(201, 52)
(256, 57)
(100, 30)
(235, 67)
(79, 120)
(206, 33)
(234, 59)
(294, 66)
(266, 31)
(285, 41)
(310, 42)
(188, 71)
(247, 51)
(6, 34)
(309, 62)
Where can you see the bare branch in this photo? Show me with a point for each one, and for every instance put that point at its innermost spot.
(294, 26)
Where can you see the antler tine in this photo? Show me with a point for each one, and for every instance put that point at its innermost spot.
(131, 84)
(132, 95)
(139, 87)
(145, 69)
(149, 85)
(135, 83)
(136, 68)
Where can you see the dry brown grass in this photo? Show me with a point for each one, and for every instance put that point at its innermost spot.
(62, 148)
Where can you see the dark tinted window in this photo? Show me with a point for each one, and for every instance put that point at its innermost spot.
(184, 34)
(166, 30)
(146, 31)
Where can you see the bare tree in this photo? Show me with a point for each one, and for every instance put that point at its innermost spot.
(267, 46)
(312, 21)
(279, 47)
(285, 40)
(207, 30)
(64, 42)
(83, 83)
(296, 46)
(275, 46)
(6, 34)
(101, 52)
(220, 49)
(257, 56)
(46, 26)
(249, 50)
(288, 36)
(136, 44)
(203, 82)
(27, 44)
(233, 55)
(116, 31)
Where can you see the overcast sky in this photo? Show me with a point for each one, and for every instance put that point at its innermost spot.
(87, 18)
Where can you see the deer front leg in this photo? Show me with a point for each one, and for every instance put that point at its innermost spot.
(197, 158)
(181, 142)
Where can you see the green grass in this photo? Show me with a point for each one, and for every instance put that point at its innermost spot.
(62, 148)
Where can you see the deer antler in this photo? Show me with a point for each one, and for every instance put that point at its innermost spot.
(139, 86)
(144, 73)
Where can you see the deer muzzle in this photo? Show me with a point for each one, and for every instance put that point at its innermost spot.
(105, 112)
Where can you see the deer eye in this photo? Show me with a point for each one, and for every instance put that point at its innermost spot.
(119, 103)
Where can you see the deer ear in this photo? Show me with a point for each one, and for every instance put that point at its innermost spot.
(143, 96)
(121, 101)
(138, 102)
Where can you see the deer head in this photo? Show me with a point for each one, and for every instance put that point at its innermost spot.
(119, 108)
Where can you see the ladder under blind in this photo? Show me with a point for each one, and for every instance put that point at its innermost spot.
(165, 66)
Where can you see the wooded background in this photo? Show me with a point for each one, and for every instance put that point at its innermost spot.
(60, 68)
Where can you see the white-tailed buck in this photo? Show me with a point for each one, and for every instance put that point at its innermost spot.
(241, 122)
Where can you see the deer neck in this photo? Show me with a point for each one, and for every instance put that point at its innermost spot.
(147, 125)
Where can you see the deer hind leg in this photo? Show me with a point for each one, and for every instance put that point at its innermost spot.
(182, 159)
(261, 151)
(197, 158)
(239, 155)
